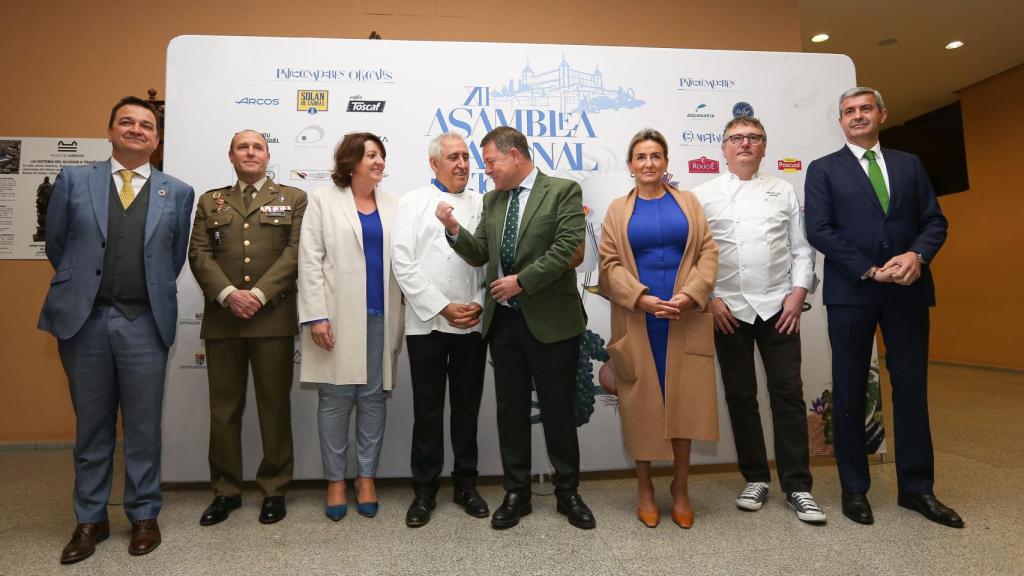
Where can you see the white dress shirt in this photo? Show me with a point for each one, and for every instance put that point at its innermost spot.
(426, 267)
(859, 153)
(762, 246)
(138, 180)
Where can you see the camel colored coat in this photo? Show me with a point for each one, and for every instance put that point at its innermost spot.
(689, 409)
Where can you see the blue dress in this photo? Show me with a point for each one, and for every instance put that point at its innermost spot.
(657, 234)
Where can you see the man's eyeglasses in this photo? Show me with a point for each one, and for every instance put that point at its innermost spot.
(738, 139)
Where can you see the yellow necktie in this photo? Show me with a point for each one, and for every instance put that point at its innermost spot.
(127, 192)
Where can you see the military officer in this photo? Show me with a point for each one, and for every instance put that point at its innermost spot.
(244, 254)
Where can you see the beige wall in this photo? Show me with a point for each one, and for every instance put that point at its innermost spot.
(979, 273)
(67, 61)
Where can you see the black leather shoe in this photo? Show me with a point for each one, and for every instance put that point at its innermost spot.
(578, 513)
(84, 540)
(419, 511)
(856, 508)
(273, 510)
(219, 510)
(930, 507)
(512, 508)
(472, 502)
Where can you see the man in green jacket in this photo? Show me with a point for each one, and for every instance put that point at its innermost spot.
(530, 229)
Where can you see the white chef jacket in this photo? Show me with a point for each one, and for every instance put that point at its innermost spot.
(763, 252)
(426, 267)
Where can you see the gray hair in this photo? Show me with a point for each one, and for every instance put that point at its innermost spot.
(745, 121)
(857, 91)
(434, 148)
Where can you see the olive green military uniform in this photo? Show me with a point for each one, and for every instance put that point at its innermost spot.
(251, 246)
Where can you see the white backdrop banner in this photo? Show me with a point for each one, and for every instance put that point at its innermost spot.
(577, 105)
(28, 167)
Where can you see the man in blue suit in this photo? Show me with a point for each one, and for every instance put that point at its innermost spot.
(872, 212)
(116, 235)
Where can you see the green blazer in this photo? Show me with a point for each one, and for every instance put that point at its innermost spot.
(552, 228)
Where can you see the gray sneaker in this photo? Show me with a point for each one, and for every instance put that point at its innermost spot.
(806, 508)
(753, 496)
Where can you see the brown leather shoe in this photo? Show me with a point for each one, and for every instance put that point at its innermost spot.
(145, 537)
(83, 541)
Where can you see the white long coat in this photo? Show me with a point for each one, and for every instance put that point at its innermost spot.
(332, 285)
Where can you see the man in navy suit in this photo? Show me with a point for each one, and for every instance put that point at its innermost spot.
(116, 235)
(872, 212)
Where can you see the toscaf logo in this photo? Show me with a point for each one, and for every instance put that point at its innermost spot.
(790, 165)
(703, 165)
(356, 104)
(311, 101)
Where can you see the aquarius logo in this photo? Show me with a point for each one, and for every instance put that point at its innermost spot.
(701, 112)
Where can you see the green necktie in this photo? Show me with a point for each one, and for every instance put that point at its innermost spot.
(877, 180)
(247, 195)
(508, 238)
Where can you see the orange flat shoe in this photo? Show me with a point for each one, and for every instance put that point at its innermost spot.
(649, 517)
(683, 519)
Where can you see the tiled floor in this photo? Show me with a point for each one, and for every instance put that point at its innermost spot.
(977, 423)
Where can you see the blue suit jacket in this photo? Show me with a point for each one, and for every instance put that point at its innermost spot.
(845, 222)
(76, 234)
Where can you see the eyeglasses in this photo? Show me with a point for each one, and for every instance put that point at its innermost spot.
(738, 139)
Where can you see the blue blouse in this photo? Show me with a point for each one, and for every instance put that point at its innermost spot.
(373, 251)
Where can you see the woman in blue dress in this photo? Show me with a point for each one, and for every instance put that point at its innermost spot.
(658, 268)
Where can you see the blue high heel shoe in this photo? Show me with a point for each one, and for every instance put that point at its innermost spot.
(368, 509)
(336, 512)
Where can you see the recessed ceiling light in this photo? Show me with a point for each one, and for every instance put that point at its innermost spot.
(820, 38)
(888, 42)
(954, 45)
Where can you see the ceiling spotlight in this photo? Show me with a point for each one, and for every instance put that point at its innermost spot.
(888, 42)
(819, 38)
(954, 45)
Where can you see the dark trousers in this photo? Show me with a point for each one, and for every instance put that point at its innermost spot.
(780, 354)
(851, 330)
(434, 360)
(519, 360)
(228, 372)
(113, 362)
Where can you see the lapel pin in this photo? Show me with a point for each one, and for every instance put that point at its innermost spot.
(216, 195)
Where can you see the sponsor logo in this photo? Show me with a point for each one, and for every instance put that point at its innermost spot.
(742, 110)
(247, 101)
(703, 165)
(695, 137)
(270, 138)
(297, 357)
(334, 75)
(694, 83)
(701, 112)
(311, 101)
(63, 146)
(310, 175)
(355, 105)
(310, 135)
(200, 357)
(272, 172)
(198, 318)
(790, 165)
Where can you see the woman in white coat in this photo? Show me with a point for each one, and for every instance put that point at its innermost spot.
(350, 307)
